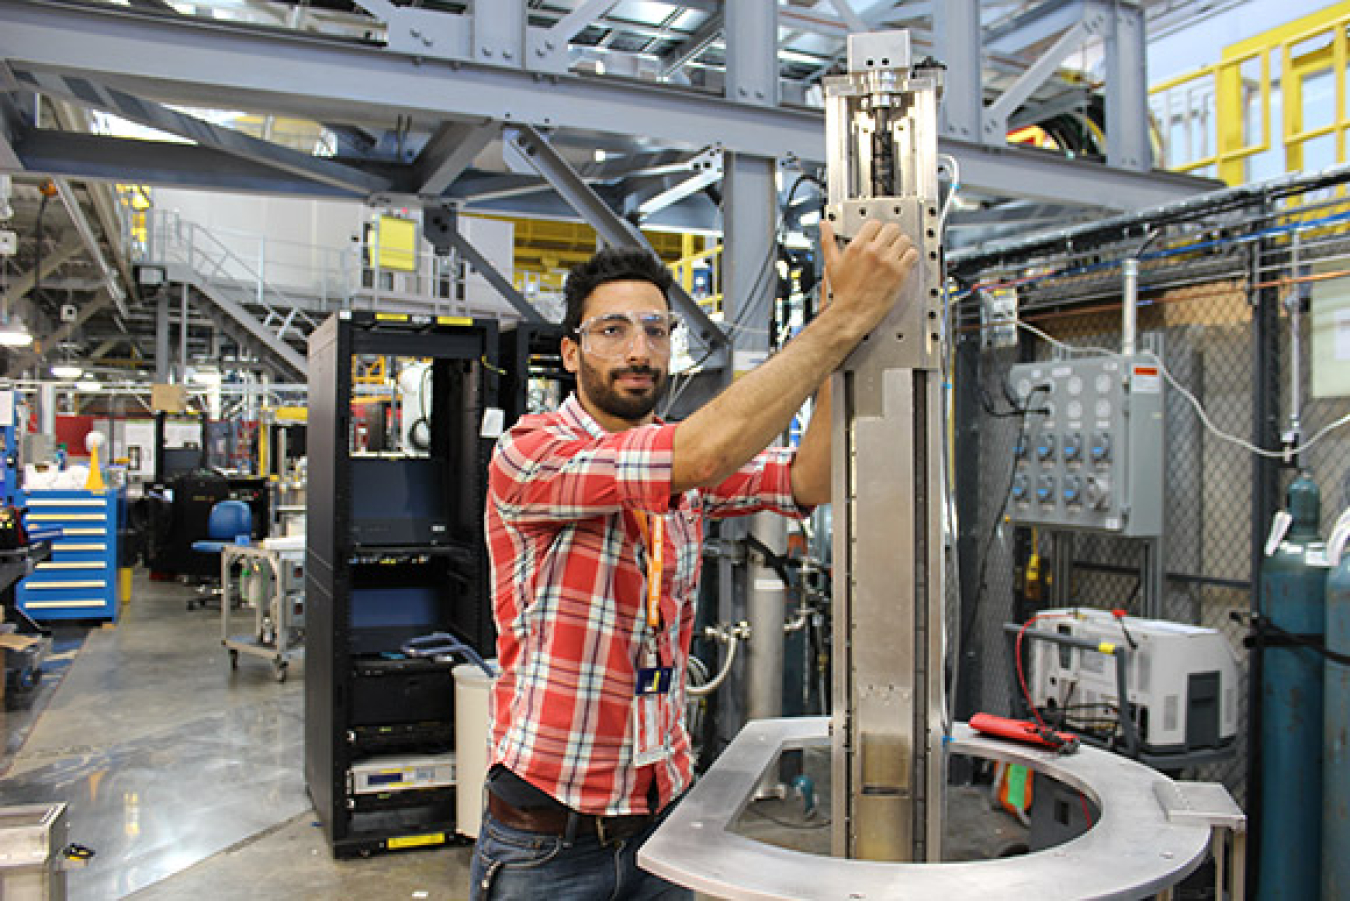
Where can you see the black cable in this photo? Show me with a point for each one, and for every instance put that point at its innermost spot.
(998, 519)
(761, 278)
(1263, 624)
(777, 562)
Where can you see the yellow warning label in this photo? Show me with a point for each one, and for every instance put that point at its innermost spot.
(416, 841)
(453, 320)
(391, 317)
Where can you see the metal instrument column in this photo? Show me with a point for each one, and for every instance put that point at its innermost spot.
(888, 768)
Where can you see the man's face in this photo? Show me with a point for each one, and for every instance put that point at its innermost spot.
(621, 390)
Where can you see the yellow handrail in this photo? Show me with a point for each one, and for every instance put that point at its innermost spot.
(709, 297)
(1216, 106)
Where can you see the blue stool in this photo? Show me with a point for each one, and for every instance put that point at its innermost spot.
(230, 522)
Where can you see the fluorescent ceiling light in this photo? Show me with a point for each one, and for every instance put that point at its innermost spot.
(88, 385)
(14, 335)
(67, 371)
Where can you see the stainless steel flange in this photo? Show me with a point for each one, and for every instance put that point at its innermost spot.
(1134, 850)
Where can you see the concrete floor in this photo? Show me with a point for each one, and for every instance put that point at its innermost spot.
(186, 777)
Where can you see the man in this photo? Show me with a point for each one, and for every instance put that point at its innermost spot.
(595, 523)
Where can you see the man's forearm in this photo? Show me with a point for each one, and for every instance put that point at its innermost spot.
(811, 466)
(745, 418)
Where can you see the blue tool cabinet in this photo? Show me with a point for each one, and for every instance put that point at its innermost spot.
(80, 579)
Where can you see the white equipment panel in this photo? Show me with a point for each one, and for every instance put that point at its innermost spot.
(1181, 680)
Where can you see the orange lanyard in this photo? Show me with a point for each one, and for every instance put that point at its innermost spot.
(654, 536)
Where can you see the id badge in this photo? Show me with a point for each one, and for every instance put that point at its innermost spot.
(649, 733)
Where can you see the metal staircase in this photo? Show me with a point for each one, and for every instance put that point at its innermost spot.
(266, 321)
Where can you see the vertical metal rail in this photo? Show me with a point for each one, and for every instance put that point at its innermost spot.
(887, 730)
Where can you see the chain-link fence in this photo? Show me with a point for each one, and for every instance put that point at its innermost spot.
(1217, 289)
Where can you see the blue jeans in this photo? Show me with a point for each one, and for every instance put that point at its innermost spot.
(512, 865)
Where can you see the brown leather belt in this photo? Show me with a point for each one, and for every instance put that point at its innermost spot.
(555, 821)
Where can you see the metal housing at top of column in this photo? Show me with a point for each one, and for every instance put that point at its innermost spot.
(881, 141)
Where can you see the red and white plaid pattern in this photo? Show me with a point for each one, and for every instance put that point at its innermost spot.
(569, 582)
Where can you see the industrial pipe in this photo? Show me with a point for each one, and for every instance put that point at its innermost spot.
(766, 610)
(731, 636)
(1129, 308)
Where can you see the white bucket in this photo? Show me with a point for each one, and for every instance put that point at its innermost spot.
(472, 686)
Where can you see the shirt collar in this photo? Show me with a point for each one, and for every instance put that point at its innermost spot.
(575, 414)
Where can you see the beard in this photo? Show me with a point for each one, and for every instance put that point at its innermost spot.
(599, 387)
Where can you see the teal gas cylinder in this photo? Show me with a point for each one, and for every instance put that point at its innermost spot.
(1293, 586)
(1336, 721)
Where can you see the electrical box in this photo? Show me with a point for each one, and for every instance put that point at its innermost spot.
(1090, 451)
(1181, 681)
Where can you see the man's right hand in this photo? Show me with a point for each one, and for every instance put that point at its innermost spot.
(741, 421)
(866, 276)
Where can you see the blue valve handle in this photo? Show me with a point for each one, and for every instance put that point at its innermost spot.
(441, 644)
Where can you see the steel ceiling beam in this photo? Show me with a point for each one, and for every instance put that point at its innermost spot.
(997, 114)
(89, 93)
(677, 192)
(50, 263)
(548, 48)
(851, 18)
(706, 35)
(613, 229)
(11, 129)
(441, 228)
(449, 152)
(74, 118)
(91, 245)
(1030, 174)
(182, 60)
(345, 82)
(1039, 23)
(83, 156)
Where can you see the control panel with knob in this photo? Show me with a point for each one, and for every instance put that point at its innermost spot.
(1090, 452)
(1101, 448)
(1073, 491)
(1045, 446)
(1073, 447)
(1045, 491)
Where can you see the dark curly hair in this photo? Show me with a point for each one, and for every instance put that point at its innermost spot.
(611, 265)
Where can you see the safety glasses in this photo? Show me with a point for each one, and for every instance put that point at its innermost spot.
(611, 334)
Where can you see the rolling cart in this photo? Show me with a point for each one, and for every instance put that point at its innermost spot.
(268, 577)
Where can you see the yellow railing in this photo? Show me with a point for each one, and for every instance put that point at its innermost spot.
(1215, 120)
(699, 273)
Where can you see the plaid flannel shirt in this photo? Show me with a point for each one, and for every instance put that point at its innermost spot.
(569, 586)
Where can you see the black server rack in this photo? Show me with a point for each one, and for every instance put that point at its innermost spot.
(533, 377)
(395, 551)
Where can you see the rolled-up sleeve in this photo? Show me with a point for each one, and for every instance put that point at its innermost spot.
(550, 474)
(765, 483)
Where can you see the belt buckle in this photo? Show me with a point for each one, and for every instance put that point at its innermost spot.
(600, 832)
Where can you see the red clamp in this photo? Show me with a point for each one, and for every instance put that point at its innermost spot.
(1025, 731)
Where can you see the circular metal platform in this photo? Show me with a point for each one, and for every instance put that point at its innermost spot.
(1134, 850)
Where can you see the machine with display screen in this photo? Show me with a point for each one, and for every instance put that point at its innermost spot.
(1180, 682)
